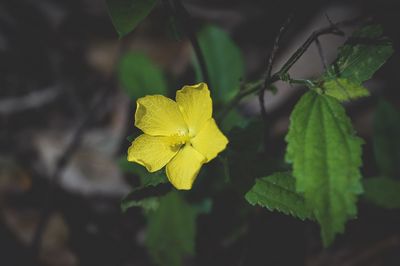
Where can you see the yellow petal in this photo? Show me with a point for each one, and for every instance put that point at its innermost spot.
(210, 140)
(196, 106)
(157, 115)
(182, 170)
(152, 152)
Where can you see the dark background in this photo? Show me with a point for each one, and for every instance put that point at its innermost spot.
(57, 58)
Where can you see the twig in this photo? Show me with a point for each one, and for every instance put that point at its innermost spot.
(283, 72)
(179, 11)
(269, 66)
(321, 54)
(61, 163)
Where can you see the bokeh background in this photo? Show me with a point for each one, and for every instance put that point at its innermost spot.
(60, 80)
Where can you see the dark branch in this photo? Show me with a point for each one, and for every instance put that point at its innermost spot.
(321, 54)
(61, 163)
(269, 66)
(332, 29)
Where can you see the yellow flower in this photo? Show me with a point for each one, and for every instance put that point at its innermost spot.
(181, 135)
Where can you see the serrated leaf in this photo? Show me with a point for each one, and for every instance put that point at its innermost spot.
(382, 191)
(171, 230)
(363, 54)
(224, 63)
(343, 89)
(278, 192)
(326, 157)
(126, 14)
(358, 59)
(386, 139)
(139, 76)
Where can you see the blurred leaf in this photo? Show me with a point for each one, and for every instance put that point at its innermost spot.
(343, 89)
(171, 230)
(126, 14)
(224, 63)
(203, 207)
(139, 76)
(387, 139)
(382, 191)
(233, 119)
(326, 157)
(278, 192)
(147, 204)
(359, 58)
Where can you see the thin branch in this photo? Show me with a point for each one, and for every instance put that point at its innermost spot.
(299, 52)
(270, 64)
(61, 163)
(321, 54)
(179, 11)
(280, 75)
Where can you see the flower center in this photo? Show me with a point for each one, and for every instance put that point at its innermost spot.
(180, 139)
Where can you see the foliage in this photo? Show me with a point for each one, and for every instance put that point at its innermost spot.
(344, 89)
(322, 147)
(383, 191)
(223, 60)
(361, 56)
(278, 192)
(386, 139)
(171, 230)
(139, 76)
(326, 156)
(126, 14)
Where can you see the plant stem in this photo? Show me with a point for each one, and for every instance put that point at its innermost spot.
(269, 67)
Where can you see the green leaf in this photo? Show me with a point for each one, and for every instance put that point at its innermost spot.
(152, 186)
(326, 157)
(127, 14)
(147, 204)
(383, 191)
(359, 58)
(343, 89)
(278, 192)
(139, 76)
(171, 230)
(387, 139)
(224, 63)
(145, 196)
(233, 119)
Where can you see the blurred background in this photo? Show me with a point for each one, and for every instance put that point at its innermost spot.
(66, 109)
